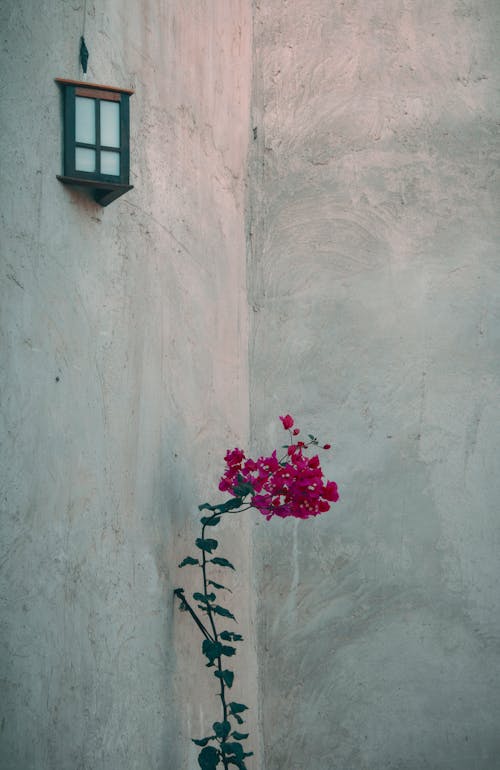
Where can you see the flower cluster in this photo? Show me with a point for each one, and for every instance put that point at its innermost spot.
(288, 486)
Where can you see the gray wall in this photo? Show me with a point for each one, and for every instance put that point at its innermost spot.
(123, 363)
(374, 287)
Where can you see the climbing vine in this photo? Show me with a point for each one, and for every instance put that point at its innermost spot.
(291, 485)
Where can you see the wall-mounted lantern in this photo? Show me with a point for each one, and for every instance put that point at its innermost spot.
(96, 139)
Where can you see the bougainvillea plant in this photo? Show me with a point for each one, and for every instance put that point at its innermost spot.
(290, 485)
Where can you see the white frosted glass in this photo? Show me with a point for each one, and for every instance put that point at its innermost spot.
(84, 159)
(110, 163)
(110, 124)
(85, 120)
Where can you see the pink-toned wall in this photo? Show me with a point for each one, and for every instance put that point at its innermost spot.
(124, 379)
(128, 366)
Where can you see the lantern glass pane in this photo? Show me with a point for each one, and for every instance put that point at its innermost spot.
(84, 120)
(110, 163)
(84, 159)
(110, 124)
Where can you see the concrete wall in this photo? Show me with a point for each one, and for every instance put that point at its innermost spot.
(374, 289)
(123, 363)
(372, 284)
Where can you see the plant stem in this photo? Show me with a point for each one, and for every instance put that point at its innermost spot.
(216, 639)
(213, 637)
(179, 592)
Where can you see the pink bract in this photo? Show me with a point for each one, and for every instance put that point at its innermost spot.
(290, 486)
(287, 422)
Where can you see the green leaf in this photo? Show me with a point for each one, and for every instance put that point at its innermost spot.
(239, 736)
(211, 650)
(232, 747)
(219, 585)
(222, 729)
(206, 544)
(230, 505)
(207, 507)
(243, 489)
(210, 521)
(208, 758)
(221, 562)
(237, 762)
(222, 611)
(236, 709)
(226, 675)
(203, 597)
(201, 741)
(228, 636)
(228, 650)
(188, 560)
(235, 755)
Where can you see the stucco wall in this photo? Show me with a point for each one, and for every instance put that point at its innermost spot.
(123, 364)
(373, 281)
(374, 289)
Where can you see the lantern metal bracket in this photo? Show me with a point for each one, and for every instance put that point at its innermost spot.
(104, 192)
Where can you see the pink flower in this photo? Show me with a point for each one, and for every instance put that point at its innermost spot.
(287, 422)
(327, 446)
(235, 457)
(330, 491)
(288, 486)
(296, 431)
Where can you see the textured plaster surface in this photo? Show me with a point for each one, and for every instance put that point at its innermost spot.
(374, 285)
(123, 380)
